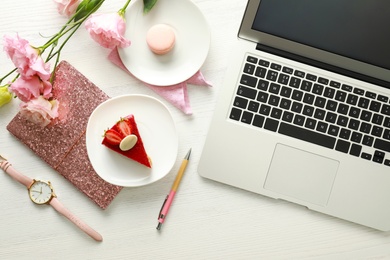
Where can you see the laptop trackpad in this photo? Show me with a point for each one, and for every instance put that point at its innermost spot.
(301, 175)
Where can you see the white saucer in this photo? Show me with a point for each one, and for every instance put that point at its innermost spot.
(156, 128)
(190, 50)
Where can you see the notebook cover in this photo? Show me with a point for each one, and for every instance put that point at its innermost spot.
(62, 143)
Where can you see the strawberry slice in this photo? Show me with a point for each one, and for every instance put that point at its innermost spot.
(113, 137)
(123, 127)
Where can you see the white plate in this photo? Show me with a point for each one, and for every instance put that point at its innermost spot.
(190, 50)
(156, 128)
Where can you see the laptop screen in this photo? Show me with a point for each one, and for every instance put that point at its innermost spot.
(353, 35)
(357, 29)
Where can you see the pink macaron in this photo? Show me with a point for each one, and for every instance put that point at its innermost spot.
(160, 39)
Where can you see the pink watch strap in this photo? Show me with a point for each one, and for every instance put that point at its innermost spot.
(78, 222)
(7, 167)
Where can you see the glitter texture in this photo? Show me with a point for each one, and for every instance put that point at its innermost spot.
(62, 143)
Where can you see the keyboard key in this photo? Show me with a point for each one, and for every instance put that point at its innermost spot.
(323, 81)
(329, 92)
(299, 73)
(345, 133)
(265, 110)
(341, 96)
(276, 113)
(387, 162)
(310, 123)
(383, 98)
(275, 66)
(370, 94)
(262, 97)
(343, 109)
(271, 124)
(375, 106)
(308, 110)
(358, 91)
(308, 98)
(363, 102)
(249, 68)
(319, 114)
(258, 121)
(272, 75)
(247, 117)
(247, 92)
(306, 85)
(240, 102)
(331, 105)
(311, 77)
(235, 114)
(322, 127)
(297, 95)
(263, 85)
(295, 82)
(355, 150)
(253, 106)
(343, 146)
(285, 103)
(333, 130)
(387, 122)
(264, 63)
(386, 110)
(368, 140)
(286, 92)
(251, 59)
(382, 145)
(296, 107)
(354, 124)
(366, 156)
(342, 120)
(260, 72)
(379, 156)
(274, 100)
(320, 102)
(377, 119)
(365, 128)
(318, 89)
(354, 112)
(299, 120)
(347, 88)
(307, 135)
(287, 70)
(366, 115)
(330, 117)
(356, 137)
(288, 116)
(274, 88)
(283, 79)
(386, 134)
(377, 131)
(248, 80)
(335, 84)
(352, 99)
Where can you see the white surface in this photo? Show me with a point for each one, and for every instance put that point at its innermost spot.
(207, 220)
(187, 56)
(157, 130)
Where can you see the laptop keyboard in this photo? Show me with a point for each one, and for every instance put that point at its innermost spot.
(314, 109)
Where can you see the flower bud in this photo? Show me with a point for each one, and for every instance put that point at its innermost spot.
(5, 95)
(87, 7)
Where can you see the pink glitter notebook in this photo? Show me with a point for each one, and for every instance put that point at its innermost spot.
(62, 143)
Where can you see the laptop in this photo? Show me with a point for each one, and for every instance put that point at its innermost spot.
(303, 114)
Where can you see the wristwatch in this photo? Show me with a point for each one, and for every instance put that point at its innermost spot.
(42, 192)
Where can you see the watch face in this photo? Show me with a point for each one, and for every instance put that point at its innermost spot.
(41, 192)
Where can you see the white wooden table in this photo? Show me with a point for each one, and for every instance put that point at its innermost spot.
(207, 221)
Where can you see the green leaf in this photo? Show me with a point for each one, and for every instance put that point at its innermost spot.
(148, 5)
(87, 7)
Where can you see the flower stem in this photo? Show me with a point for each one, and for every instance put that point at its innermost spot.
(122, 11)
(9, 73)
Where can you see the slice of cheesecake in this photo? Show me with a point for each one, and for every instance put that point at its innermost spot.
(125, 139)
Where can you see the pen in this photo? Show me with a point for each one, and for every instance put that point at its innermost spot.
(168, 200)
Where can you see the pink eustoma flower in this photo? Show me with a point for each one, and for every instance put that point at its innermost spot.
(26, 58)
(108, 30)
(39, 111)
(30, 88)
(67, 7)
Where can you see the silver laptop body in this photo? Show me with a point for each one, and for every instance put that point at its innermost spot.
(332, 152)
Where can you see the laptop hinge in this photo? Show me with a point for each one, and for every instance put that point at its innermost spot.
(322, 65)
